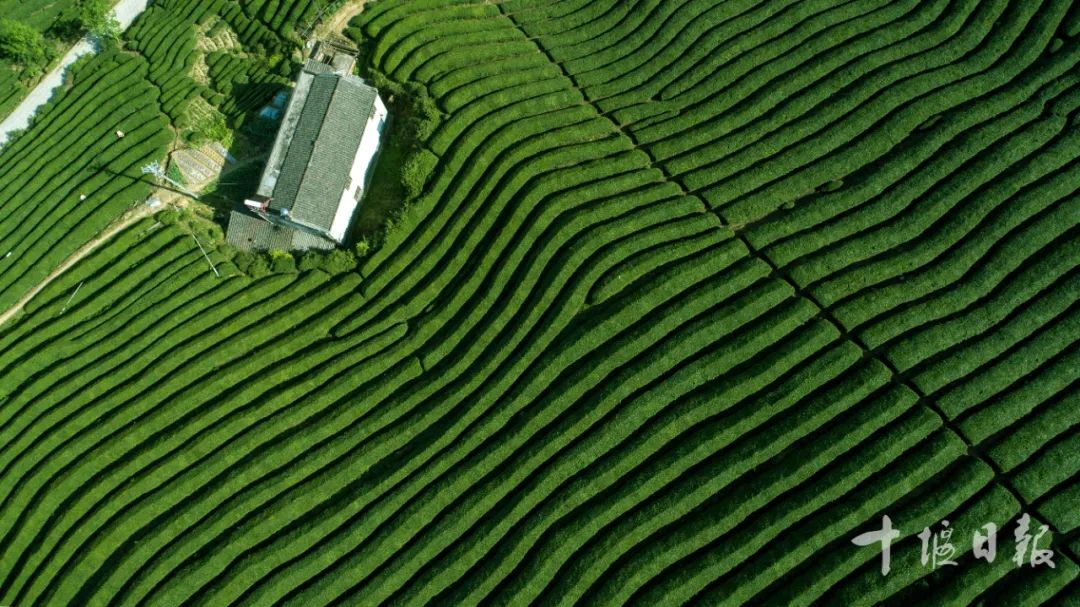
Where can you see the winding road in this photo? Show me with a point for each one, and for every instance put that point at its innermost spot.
(125, 11)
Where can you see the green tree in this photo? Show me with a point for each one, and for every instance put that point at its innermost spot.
(282, 262)
(96, 17)
(338, 261)
(416, 171)
(21, 43)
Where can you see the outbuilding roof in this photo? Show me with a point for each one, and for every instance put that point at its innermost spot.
(250, 232)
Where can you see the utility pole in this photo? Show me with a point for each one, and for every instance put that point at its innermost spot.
(154, 168)
(212, 267)
(68, 302)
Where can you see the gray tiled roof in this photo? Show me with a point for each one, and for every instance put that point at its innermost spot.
(309, 165)
(318, 67)
(321, 150)
(251, 233)
(303, 241)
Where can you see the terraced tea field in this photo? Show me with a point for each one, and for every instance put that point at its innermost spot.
(695, 292)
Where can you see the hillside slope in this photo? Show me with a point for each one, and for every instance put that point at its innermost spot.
(694, 294)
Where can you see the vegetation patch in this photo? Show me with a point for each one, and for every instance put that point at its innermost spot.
(679, 298)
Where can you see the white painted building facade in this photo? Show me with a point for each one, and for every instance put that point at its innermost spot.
(318, 170)
(360, 172)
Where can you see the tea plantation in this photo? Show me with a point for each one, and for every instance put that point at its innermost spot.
(687, 295)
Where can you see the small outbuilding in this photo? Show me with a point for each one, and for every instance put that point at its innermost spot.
(319, 167)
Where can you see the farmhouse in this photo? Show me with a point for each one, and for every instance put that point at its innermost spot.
(319, 166)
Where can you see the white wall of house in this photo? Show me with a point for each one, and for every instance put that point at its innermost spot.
(350, 197)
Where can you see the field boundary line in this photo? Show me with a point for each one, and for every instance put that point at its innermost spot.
(1001, 478)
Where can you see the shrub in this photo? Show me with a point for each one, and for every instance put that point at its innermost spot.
(97, 18)
(338, 261)
(243, 260)
(427, 115)
(21, 43)
(310, 260)
(215, 129)
(258, 267)
(416, 171)
(282, 262)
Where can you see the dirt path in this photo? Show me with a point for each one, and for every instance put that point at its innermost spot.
(341, 19)
(124, 221)
(127, 11)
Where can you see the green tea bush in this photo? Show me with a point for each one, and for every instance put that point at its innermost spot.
(417, 170)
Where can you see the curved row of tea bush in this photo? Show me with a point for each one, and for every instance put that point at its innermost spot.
(70, 174)
(859, 259)
(606, 356)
